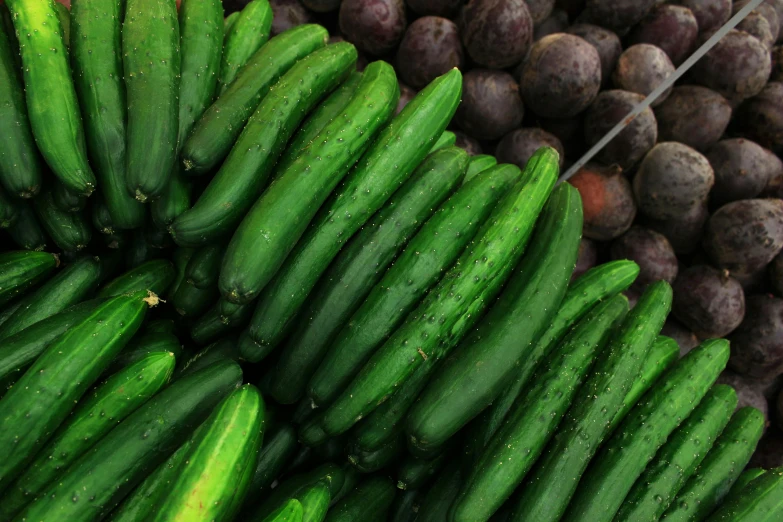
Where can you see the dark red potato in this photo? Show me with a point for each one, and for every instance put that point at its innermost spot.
(496, 33)
(587, 258)
(651, 251)
(708, 301)
(742, 169)
(710, 14)
(606, 42)
(406, 95)
(607, 201)
(446, 8)
(519, 145)
(685, 232)
(672, 28)
(756, 25)
(748, 391)
(322, 6)
(288, 14)
(761, 118)
(685, 339)
(617, 15)
(471, 145)
(557, 22)
(693, 115)
(374, 26)
(641, 68)
(540, 9)
(430, 48)
(757, 345)
(490, 105)
(777, 64)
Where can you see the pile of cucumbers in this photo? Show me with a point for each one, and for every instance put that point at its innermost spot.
(237, 284)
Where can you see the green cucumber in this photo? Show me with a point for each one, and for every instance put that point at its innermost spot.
(92, 486)
(352, 478)
(330, 473)
(101, 218)
(278, 449)
(9, 210)
(67, 200)
(173, 201)
(760, 501)
(249, 32)
(190, 301)
(9, 310)
(415, 473)
(479, 164)
(52, 107)
(204, 266)
(150, 47)
(278, 219)
(27, 231)
(155, 275)
(221, 350)
(21, 270)
(372, 461)
(314, 501)
(405, 506)
(143, 345)
(712, 480)
(535, 417)
(213, 324)
(160, 326)
(245, 173)
(96, 58)
(447, 139)
(181, 257)
(388, 163)
(745, 478)
(455, 304)
(676, 461)
(64, 15)
(438, 501)
(8, 28)
(291, 511)
(553, 480)
(420, 265)
(215, 133)
(94, 416)
(228, 22)
(44, 396)
(70, 231)
(369, 501)
(624, 456)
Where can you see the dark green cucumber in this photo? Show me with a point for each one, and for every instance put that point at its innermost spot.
(64, 15)
(213, 324)
(745, 478)
(141, 346)
(96, 58)
(420, 265)
(191, 302)
(27, 231)
(52, 107)
(290, 511)
(387, 164)
(204, 266)
(217, 130)
(415, 473)
(707, 487)
(487, 361)
(438, 501)
(370, 500)
(760, 501)
(160, 326)
(155, 275)
(455, 304)
(281, 215)
(10, 309)
(70, 231)
(44, 396)
(352, 478)
(21, 270)
(133, 449)
(676, 461)
(375, 460)
(405, 506)
(314, 501)
(151, 60)
(9, 210)
(245, 173)
(278, 449)
(95, 415)
(217, 351)
(181, 257)
(359, 266)
(447, 139)
(249, 32)
(228, 22)
(330, 473)
(625, 455)
(66, 199)
(479, 164)
(174, 200)
(8, 29)
(101, 218)
(553, 480)
(534, 419)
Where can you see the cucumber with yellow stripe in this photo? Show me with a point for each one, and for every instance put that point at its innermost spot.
(155, 275)
(479, 164)
(21, 270)
(759, 501)
(70, 231)
(250, 30)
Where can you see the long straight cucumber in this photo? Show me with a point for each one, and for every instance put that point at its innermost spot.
(64, 15)
(479, 164)
(27, 231)
(553, 480)
(52, 106)
(760, 501)
(278, 219)
(155, 275)
(249, 32)
(370, 500)
(70, 231)
(21, 270)
(245, 173)
(228, 22)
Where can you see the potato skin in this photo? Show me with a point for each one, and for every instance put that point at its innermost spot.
(693, 115)
(757, 345)
(761, 118)
(606, 42)
(617, 15)
(710, 14)
(587, 257)
(490, 105)
(748, 390)
(672, 28)
(742, 169)
(708, 301)
(684, 232)
(608, 204)
(685, 339)
(431, 47)
(641, 69)
(288, 14)
(374, 26)
(496, 33)
(651, 251)
(519, 145)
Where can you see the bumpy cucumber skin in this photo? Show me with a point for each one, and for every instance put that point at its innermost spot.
(96, 58)
(150, 47)
(760, 501)
(249, 32)
(388, 162)
(553, 480)
(155, 275)
(369, 500)
(291, 511)
(281, 215)
(27, 231)
(70, 231)
(676, 461)
(20, 270)
(447, 139)
(44, 396)
(245, 173)
(329, 473)
(52, 107)
(217, 130)
(440, 497)
(315, 502)
(94, 416)
(624, 456)
(372, 461)
(534, 418)
(479, 164)
(279, 446)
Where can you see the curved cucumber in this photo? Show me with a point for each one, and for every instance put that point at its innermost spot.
(333, 475)
(19, 271)
(315, 502)
(278, 219)
(278, 449)
(244, 175)
(479, 164)
(372, 461)
(155, 275)
(27, 232)
(440, 497)
(447, 139)
(369, 500)
(249, 32)
(760, 501)
(213, 324)
(70, 231)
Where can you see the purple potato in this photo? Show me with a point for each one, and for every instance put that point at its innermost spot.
(757, 345)
(539, 9)
(587, 258)
(776, 274)
(617, 15)
(374, 26)
(672, 28)
(769, 452)
(496, 33)
(634, 141)
(710, 14)
(774, 188)
(742, 170)
(287, 14)
(641, 69)
(607, 201)
(446, 8)
(685, 339)
(755, 24)
(777, 64)
(406, 95)
(761, 118)
(430, 48)
(684, 232)
(748, 391)
(651, 251)
(470, 145)
(519, 145)
(693, 115)
(767, 10)
(606, 42)
(322, 6)
(777, 5)
(708, 301)
(490, 105)
(557, 22)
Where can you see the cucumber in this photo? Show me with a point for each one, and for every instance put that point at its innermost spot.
(70, 231)
(8, 311)
(712, 480)
(181, 257)
(676, 461)
(352, 478)
(133, 449)
(204, 266)
(291, 511)
(143, 345)
(8, 28)
(173, 201)
(372, 461)
(150, 47)
(370, 500)
(744, 479)
(94, 416)
(415, 473)
(101, 218)
(535, 417)
(278, 449)
(96, 58)
(44, 396)
(447, 139)
(155, 275)
(454, 305)
(625, 455)
(21, 270)
(9, 210)
(217, 351)
(244, 175)
(553, 480)
(479, 164)
(315, 502)
(156, 326)
(27, 231)
(487, 360)
(213, 324)
(64, 15)
(359, 266)
(389, 161)
(52, 107)
(280, 216)
(67, 200)
(440, 497)
(249, 32)
(759, 501)
(217, 130)
(330, 473)
(190, 301)
(229, 22)
(405, 506)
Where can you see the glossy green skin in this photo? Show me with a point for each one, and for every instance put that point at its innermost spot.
(217, 351)
(281, 215)
(20, 270)
(245, 173)
(554, 478)
(44, 396)
(706, 488)
(213, 325)
(249, 32)
(174, 200)
(387, 164)
(52, 107)
(455, 304)
(215, 133)
(447, 139)
(534, 419)
(229, 22)
(8, 311)
(487, 361)
(96, 58)
(678, 459)
(151, 60)
(9, 210)
(204, 266)
(415, 473)
(291, 511)
(190, 301)
(760, 501)
(359, 266)
(70, 231)
(64, 15)
(437, 502)
(94, 416)
(479, 164)
(625, 455)
(27, 232)
(292, 486)
(370, 500)
(279, 446)
(143, 345)
(315, 502)
(155, 275)
(372, 461)
(745, 478)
